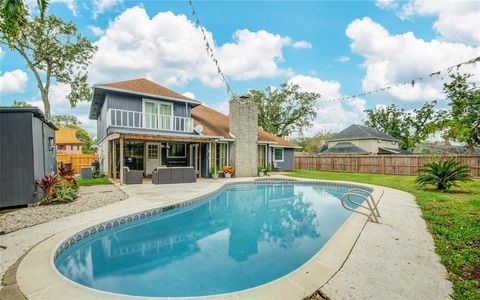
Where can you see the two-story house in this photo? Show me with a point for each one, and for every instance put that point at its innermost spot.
(67, 141)
(358, 140)
(143, 125)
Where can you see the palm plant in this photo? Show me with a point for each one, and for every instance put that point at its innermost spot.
(444, 174)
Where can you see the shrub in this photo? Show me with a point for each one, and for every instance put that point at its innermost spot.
(443, 174)
(65, 194)
(65, 169)
(46, 184)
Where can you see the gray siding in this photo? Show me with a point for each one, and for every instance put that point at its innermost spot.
(287, 163)
(133, 103)
(24, 156)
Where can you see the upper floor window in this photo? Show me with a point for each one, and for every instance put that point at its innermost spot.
(158, 115)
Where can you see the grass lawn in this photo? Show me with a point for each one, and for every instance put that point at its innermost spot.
(453, 218)
(95, 181)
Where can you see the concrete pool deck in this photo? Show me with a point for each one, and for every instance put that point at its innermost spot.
(391, 260)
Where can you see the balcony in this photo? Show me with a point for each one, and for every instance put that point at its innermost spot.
(136, 119)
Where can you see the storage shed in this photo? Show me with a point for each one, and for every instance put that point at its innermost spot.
(27, 152)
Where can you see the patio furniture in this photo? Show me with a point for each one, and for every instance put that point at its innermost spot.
(165, 175)
(132, 176)
(275, 166)
(87, 173)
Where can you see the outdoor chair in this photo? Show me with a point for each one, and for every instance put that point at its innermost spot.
(132, 176)
(275, 166)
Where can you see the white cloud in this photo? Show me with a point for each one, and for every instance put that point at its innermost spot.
(456, 21)
(169, 48)
(222, 107)
(59, 105)
(386, 4)
(302, 45)
(343, 59)
(330, 116)
(97, 31)
(32, 5)
(189, 95)
(101, 6)
(1, 53)
(13, 82)
(391, 59)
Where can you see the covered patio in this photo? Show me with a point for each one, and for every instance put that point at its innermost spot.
(146, 152)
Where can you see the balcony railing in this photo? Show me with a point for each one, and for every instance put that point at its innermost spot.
(136, 119)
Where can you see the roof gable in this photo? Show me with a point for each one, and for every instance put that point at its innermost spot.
(344, 148)
(355, 132)
(145, 86)
(67, 136)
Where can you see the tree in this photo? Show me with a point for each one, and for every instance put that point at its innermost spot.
(313, 143)
(443, 174)
(67, 121)
(21, 104)
(410, 128)
(285, 110)
(52, 50)
(463, 120)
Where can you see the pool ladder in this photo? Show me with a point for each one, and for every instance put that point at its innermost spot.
(371, 205)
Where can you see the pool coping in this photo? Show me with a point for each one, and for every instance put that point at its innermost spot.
(38, 278)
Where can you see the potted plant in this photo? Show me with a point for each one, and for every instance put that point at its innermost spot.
(261, 171)
(268, 170)
(227, 171)
(213, 173)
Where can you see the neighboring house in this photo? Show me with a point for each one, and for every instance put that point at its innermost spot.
(362, 140)
(143, 125)
(27, 148)
(67, 141)
(445, 149)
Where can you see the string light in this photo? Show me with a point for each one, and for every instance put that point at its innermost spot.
(210, 53)
(411, 82)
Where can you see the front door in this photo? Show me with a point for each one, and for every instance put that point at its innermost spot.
(153, 153)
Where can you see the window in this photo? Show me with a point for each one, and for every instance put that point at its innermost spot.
(51, 143)
(157, 115)
(278, 154)
(177, 150)
(152, 152)
(61, 147)
(262, 162)
(222, 155)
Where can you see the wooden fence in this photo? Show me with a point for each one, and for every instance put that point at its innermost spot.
(381, 164)
(77, 160)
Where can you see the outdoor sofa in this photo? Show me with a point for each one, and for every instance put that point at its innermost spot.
(132, 176)
(165, 175)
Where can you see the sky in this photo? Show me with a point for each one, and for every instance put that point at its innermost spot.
(334, 48)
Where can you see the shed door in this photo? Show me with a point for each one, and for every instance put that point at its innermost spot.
(153, 153)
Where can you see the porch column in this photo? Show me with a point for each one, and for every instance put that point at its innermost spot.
(114, 160)
(145, 157)
(214, 153)
(109, 158)
(121, 160)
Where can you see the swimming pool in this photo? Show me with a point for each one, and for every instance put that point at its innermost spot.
(242, 236)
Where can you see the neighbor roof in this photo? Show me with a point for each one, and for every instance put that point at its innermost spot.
(359, 132)
(343, 148)
(217, 124)
(67, 136)
(141, 86)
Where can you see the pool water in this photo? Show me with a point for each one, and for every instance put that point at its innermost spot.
(241, 237)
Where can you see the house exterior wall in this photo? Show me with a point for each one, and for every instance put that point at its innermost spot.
(77, 149)
(288, 159)
(25, 157)
(133, 103)
(243, 125)
(370, 145)
(102, 152)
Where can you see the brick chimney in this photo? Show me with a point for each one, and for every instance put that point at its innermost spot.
(243, 122)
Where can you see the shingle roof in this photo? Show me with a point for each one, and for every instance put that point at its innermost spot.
(217, 124)
(67, 136)
(357, 132)
(143, 85)
(344, 148)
